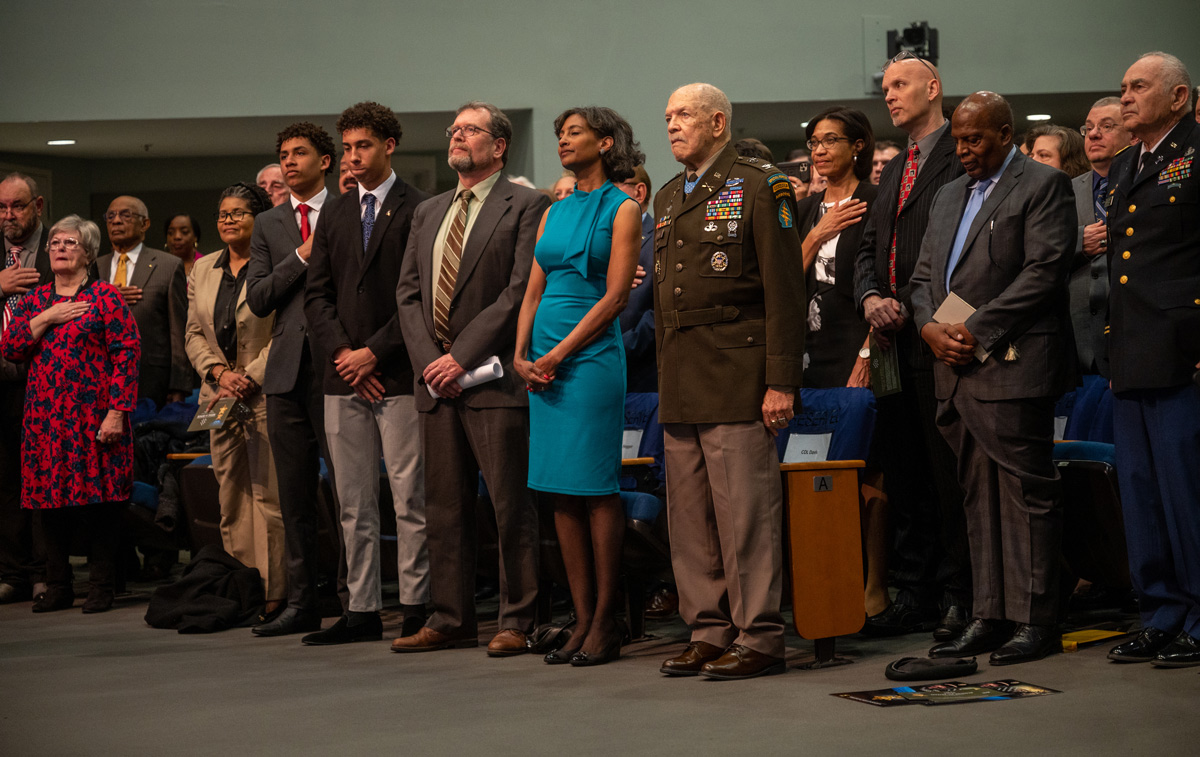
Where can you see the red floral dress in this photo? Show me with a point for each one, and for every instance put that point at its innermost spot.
(77, 371)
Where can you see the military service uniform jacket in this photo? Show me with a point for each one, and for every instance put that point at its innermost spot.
(1154, 263)
(729, 298)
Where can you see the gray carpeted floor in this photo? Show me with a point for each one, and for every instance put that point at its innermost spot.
(109, 685)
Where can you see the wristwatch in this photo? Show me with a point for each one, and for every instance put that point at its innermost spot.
(865, 353)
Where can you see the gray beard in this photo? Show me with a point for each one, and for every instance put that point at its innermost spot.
(465, 164)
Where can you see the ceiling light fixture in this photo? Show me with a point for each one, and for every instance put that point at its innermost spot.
(60, 142)
(1038, 117)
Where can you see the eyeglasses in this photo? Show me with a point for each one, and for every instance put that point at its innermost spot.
(1105, 127)
(827, 142)
(909, 55)
(63, 244)
(237, 216)
(16, 207)
(124, 215)
(468, 131)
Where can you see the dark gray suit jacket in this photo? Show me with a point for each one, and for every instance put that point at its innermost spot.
(161, 317)
(275, 284)
(492, 275)
(1013, 271)
(1088, 287)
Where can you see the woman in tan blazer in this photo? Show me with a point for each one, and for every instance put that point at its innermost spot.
(228, 346)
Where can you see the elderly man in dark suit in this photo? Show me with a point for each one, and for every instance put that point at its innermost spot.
(1001, 240)
(350, 304)
(729, 306)
(931, 569)
(1154, 356)
(279, 253)
(26, 265)
(154, 287)
(465, 271)
(1104, 136)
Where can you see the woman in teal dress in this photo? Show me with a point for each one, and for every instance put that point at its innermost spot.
(570, 354)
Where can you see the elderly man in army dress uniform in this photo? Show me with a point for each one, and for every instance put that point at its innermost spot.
(730, 313)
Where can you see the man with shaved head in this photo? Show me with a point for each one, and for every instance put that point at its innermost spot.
(1001, 240)
(729, 310)
(931, 568)
(1154, 356)
(155, 289)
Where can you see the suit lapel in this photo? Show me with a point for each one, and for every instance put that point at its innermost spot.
(713, 179)
(383, 219)
(146, 263)
(290, 227)
(498, 202)
(1168, 150)
(941, 154)
(1007, 182)
(438, 207)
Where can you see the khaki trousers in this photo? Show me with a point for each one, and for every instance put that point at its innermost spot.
(251, 524)
(725, 514)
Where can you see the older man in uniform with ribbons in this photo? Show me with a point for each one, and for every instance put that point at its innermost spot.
(730, 312)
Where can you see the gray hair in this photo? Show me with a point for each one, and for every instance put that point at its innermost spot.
(29, 182)
(264, 169)
(1174, 72)
(711, 100)
(498, 124)
(1105, 102)
(89, 234)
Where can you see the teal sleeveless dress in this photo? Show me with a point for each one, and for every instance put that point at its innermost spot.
(575, 426)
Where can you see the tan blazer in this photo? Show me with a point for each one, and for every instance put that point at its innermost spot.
(254, 333)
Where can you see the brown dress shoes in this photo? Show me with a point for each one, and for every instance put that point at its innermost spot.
(429, 640)
(742, 662)
(692, 659)
(508, 643)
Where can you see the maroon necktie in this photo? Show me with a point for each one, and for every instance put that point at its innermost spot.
(10, 302)
(906, 185)
(304, 230)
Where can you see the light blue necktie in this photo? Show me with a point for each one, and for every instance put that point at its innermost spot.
(368, 219)
(974, 203)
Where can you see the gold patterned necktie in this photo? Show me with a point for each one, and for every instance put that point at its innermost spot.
(122, 277)
(451, 256)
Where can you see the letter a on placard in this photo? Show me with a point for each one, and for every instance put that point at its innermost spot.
(822, 483)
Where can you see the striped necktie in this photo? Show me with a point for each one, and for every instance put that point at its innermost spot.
(1098, 199)
(911, 164)
(448, 275)
(10, 302)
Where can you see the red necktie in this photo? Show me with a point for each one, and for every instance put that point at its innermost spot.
(11, 300)
(304, 230)
(906, 185)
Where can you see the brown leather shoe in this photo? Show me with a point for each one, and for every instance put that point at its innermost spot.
(508, 643)
(429, 640)
(692, 659)
(742, 662)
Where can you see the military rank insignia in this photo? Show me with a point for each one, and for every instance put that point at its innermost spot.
(720, 261)
(780, 186)
(727, 204)
(785, 216)
(1176, 171)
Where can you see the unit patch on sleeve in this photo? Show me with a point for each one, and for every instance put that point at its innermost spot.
(780, 186)
(785, 215)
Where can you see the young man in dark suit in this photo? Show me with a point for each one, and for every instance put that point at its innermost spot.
(1154, 356)
(154, 287)
(1002, 238)
(931, 569)
(350, 303)
(465, 271)
(279, 253)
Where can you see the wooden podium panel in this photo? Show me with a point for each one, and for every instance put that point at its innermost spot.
(825, 542)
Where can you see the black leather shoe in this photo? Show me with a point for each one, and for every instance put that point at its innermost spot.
(981, 635)
(265, 617)
(1029, 643)
(952, 623)
(1183, 652)
(288, 622)
(368, 629)
(55, 599)
(897, 620)
(611, 651)
(1143, 647)
(98, 600)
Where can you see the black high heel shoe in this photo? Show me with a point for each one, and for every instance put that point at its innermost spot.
(558, 657)
(611, 651)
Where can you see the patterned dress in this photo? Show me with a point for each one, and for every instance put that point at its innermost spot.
(77, 371)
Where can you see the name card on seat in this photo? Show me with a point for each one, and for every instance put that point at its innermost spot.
(631, 442)
(807, 448)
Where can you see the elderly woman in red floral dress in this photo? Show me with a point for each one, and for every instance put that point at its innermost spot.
(83, 347)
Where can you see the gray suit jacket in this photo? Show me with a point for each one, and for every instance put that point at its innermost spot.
(496, 260)
(275, 284)
(1013, 271)
(161, 314)
(1088, 287)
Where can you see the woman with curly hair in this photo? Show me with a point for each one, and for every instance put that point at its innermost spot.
(570, 354)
